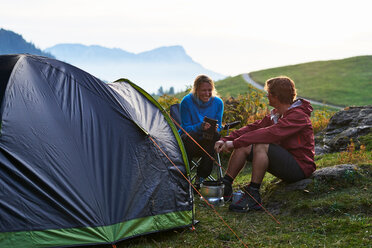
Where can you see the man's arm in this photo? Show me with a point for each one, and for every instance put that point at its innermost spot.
(273, 134)
(249, 128)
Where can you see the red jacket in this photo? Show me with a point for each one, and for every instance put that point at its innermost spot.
(293, 131)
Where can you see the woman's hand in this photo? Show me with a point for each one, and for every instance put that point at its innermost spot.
(205, 126)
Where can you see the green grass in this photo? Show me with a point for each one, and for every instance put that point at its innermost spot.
(257, 229)
(230, 86)
(343, 82)
(233, 86)
(328, 213)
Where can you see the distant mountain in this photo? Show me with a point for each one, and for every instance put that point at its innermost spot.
(77, 53)
(11, 43)
(164, 66)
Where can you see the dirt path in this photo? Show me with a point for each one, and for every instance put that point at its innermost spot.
(249, 80)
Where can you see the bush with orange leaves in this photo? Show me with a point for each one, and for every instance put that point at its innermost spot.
(320, 119)
(167, 100)
(250, 107)
(245, 108)
(351, 155)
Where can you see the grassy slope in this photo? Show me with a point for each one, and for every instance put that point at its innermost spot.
(343, 82)
(327, 214)
(234, 86)
(230, 86)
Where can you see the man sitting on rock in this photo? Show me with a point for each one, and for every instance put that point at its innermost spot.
(282, 143)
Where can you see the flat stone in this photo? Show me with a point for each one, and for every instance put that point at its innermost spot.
(334, 171)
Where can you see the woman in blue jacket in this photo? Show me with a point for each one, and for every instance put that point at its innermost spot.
(201, 102)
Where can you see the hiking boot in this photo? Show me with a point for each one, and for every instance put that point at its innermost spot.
(227, 192)
(246, 202)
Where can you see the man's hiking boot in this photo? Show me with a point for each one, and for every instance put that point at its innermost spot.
(227, 192)
(246, 202)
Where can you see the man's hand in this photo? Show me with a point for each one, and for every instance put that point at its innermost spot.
(228, 146)
(222, 146)
(218, 145)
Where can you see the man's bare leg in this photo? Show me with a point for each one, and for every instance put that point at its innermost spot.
(237, 161)
(236, 164)
(260, 162)
(251, 200)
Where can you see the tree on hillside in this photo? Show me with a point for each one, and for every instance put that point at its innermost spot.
(160, 91)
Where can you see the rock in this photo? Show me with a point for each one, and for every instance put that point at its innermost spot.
(333, 172)
(277, 197)
(300, 185)
(350, 123)
(320, 149)
(319, 144)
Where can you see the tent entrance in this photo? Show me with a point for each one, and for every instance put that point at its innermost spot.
(7, 63)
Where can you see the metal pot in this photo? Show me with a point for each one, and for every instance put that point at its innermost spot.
(213, 192)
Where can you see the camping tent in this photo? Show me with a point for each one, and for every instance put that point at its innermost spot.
(78, 160)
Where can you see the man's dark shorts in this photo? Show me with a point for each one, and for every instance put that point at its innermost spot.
(282, 164)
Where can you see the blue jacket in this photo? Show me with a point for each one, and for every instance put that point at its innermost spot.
(193, 111)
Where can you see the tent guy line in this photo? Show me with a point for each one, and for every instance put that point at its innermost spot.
(210, 205)
(214, 160)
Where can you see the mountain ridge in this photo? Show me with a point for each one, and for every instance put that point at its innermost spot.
(166, 66)
(78, 52)
(12, 43)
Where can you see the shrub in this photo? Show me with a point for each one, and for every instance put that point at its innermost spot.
(245, 108)
(366, 140)
(249, 107)
(351, 155)
(320, 119)
(166, 101)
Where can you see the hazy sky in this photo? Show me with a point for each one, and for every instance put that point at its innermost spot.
(229, 37)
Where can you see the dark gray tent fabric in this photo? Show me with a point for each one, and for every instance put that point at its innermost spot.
(75, 153)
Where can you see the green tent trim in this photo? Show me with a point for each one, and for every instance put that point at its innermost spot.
(168, 119)
(95, 235)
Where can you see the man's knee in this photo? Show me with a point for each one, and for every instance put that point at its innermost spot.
(260, 148)
(245, 150)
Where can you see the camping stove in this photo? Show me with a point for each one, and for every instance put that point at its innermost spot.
(212, 191)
